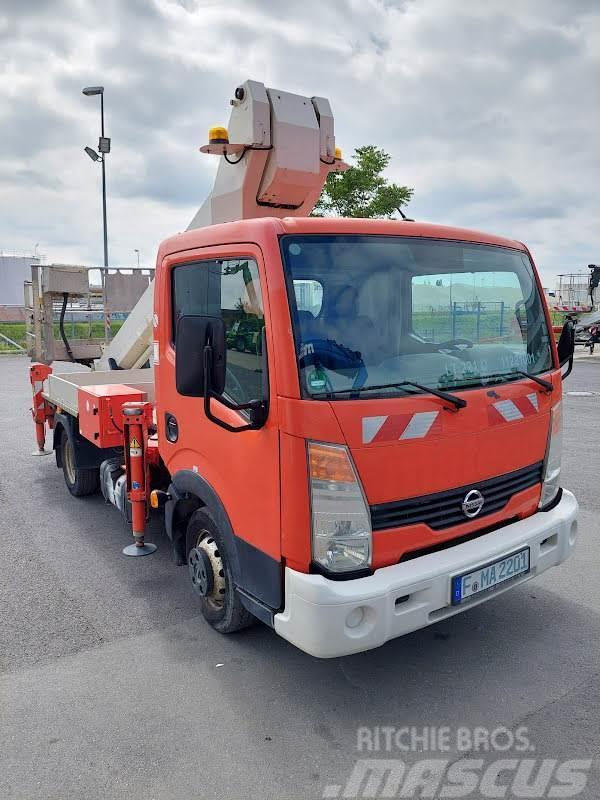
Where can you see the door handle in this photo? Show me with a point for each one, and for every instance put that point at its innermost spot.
(171, 427)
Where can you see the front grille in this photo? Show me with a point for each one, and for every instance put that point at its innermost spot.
(444, 509)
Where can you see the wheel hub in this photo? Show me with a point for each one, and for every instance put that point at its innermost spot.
(206, 569)
(201, 573)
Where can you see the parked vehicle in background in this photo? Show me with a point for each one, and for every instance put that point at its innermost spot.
(245, 335)
(593, 337)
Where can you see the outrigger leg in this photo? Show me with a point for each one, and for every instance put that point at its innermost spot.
(136, 419)
(40, 411)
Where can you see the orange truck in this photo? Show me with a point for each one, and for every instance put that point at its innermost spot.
(382, 459)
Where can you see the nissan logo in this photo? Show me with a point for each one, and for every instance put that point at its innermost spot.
(473, 503)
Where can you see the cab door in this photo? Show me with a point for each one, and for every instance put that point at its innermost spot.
(242, 468)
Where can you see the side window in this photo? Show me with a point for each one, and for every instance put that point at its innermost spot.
(229, 289)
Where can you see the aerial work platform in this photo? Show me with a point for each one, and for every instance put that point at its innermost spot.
(276, 154)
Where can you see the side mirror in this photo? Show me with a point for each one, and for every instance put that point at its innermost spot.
(194, 334)
(566, 346)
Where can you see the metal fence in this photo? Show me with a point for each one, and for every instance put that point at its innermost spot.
(11, 346)
(79, 323)
(473, 320)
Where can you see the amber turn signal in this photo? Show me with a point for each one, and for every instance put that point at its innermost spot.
(158, 499)
(330, 463)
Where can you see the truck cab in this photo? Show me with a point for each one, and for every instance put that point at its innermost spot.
(384, 453)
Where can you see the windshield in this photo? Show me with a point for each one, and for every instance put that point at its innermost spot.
(373, 311)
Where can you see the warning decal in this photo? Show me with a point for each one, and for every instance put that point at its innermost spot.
(135, 448)
(134, 443)
(396, 427)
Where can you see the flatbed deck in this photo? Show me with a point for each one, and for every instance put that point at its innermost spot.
(62, 388)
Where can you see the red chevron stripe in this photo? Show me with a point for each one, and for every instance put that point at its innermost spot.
(494, 416)
(393, 427)
(525, 406)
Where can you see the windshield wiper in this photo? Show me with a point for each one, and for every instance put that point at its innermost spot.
(546, 385)
(457, 402)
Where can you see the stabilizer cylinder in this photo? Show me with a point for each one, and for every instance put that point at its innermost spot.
(136, 419)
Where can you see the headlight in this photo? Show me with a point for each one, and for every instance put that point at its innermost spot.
(341, 522)
(551, 476)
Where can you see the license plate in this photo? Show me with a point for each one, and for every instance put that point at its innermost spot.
(490, 577)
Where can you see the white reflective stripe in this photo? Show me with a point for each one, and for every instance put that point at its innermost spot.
(371, 427)
(508, 410)
(419, 425)
(533, 399)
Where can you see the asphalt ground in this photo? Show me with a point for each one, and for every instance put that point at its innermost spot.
(112, 686)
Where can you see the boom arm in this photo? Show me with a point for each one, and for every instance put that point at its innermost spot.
(280, 150)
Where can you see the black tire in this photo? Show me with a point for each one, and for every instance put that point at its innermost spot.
(240, 344)
(223, 610)
(80, 482)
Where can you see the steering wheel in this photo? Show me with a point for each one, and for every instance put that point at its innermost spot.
(330, 354)
(454, 344)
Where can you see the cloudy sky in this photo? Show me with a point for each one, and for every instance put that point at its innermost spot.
(490, 110)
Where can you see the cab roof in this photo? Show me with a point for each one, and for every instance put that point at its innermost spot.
(257, 230)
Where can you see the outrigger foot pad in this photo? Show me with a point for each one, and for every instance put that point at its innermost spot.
(134, 550)
(42, 452)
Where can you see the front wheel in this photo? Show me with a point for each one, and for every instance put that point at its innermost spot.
(80, 482)
(209, 568)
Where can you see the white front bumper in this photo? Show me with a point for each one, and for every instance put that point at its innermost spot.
(407, 596)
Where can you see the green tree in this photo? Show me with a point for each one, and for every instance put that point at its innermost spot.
(362, 191)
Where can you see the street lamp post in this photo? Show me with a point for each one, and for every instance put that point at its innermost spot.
(103, 150)
(103, 179)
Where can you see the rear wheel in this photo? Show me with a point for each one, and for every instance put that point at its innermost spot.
(80, 482)
(240, 344)
(209, 569)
